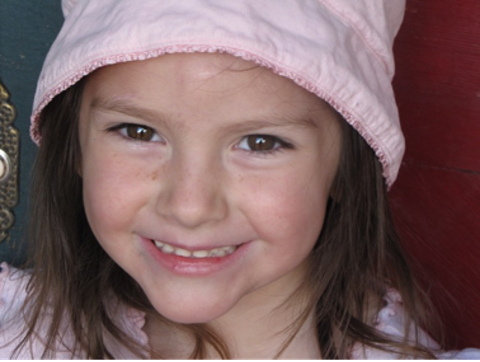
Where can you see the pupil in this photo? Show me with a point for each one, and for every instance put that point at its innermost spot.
(261, 143)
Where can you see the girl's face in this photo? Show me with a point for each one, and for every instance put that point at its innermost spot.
(207, 185)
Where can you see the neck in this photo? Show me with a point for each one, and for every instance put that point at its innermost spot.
(265, 325)
(282, 332)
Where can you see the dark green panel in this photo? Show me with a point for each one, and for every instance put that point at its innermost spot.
(27, 29)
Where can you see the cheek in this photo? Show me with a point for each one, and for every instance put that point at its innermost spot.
(112, 191)
(289, 208)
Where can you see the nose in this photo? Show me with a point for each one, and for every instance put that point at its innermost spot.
(193, 192)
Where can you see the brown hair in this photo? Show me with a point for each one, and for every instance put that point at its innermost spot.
(357, 256)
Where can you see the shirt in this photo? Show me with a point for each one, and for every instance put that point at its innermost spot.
(390, 320)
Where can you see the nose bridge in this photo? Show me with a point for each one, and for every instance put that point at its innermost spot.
(193, 195)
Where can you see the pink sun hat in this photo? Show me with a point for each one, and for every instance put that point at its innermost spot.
(340, 50)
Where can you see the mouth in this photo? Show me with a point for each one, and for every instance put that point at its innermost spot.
(197, 254)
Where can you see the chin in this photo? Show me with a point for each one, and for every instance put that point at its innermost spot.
(192, 316)
(197, 312)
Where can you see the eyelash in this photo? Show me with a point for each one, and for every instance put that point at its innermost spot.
(257, 139)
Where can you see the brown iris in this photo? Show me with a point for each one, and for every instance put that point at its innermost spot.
(261, 142)
(140, 133)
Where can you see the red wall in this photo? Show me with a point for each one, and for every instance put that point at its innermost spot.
(436, 199)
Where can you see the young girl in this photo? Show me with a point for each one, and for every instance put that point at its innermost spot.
(211, 183)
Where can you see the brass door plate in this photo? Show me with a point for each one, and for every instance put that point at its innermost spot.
(9, 156)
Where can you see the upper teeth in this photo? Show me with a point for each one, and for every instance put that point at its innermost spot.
(217, 252)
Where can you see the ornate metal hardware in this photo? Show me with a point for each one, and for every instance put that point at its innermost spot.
(9, 155)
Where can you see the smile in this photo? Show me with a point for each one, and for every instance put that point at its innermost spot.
(198, 254)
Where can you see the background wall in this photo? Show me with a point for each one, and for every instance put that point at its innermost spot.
(27, 29)
(436, 198)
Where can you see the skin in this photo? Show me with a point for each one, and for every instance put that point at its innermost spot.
(195, 182)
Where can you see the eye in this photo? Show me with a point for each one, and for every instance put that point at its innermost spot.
(137, 132)
(140, 133)
(262, 143)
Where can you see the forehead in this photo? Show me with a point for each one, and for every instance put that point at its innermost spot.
(214, 86)
(188, 68)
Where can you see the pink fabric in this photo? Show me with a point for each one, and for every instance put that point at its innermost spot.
(390, 320)
(13, 294)
(340, 50)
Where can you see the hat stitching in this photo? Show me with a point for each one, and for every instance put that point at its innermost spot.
(383, 62)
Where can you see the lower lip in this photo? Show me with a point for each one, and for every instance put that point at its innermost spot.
(193, 266)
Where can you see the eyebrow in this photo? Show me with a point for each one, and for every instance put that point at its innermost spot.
(126, 107)
(245, 125)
